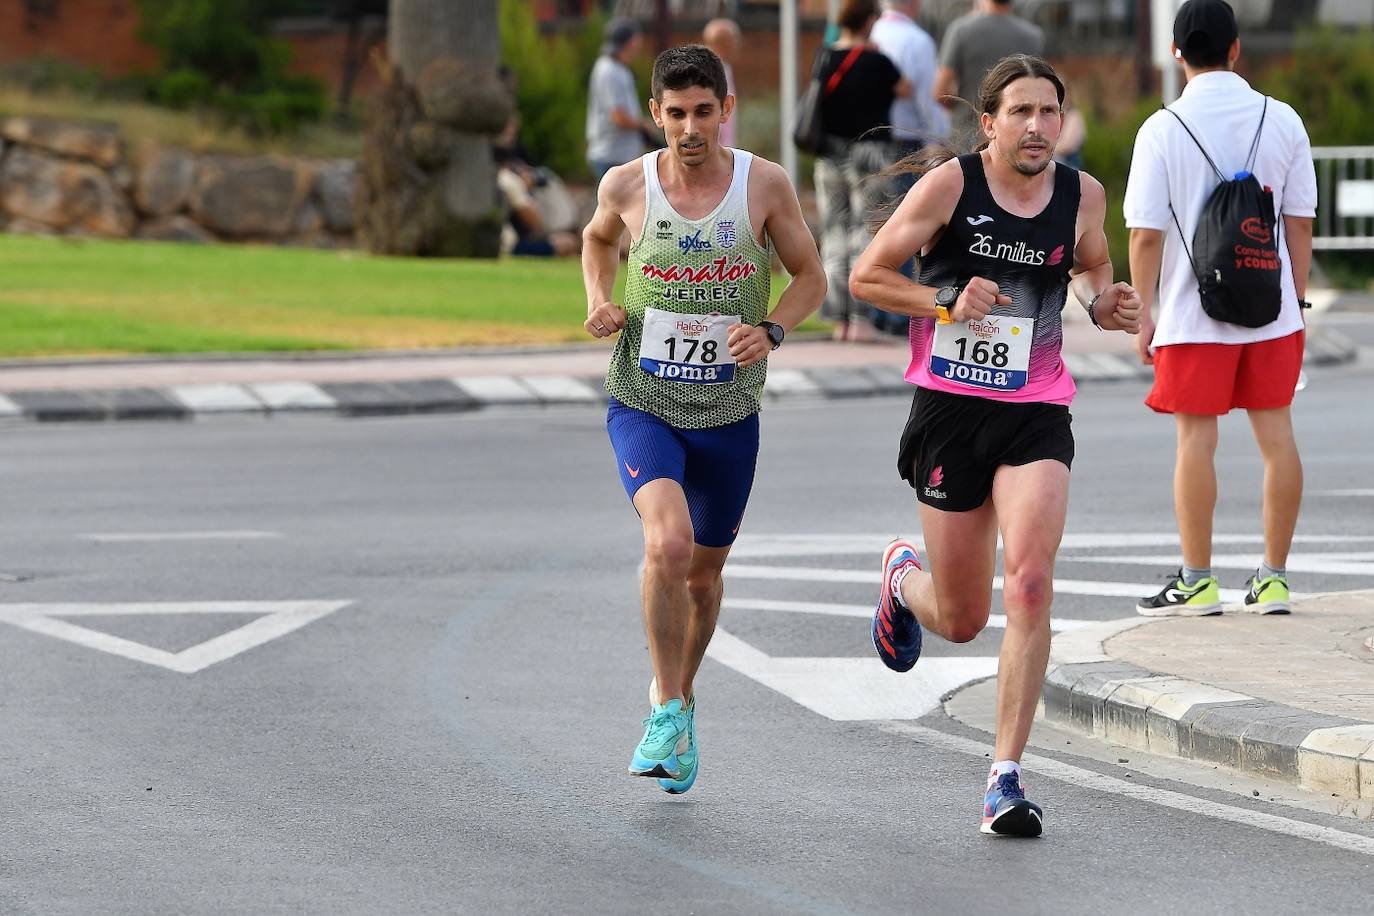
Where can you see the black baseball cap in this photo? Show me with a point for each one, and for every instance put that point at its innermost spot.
(1205, 26)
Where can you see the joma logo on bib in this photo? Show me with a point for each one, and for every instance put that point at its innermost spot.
(1020, 253)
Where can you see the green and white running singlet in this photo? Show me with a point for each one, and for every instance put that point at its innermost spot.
(690, 279)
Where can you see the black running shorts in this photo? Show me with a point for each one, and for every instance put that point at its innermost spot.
(953, 444)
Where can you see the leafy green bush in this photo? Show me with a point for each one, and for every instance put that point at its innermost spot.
(551, 73)
(216, 54)
(183, 88)
(1330, 81)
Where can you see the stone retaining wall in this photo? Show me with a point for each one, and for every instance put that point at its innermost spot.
(79, 179)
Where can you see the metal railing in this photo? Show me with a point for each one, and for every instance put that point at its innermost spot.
(1345, 198)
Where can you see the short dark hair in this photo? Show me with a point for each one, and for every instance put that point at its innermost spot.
(854, 14)
(1205, 58)
(687, 66)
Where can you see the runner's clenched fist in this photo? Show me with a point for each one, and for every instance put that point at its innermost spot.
(979, 298)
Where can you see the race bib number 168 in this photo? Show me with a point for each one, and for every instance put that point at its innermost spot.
(993, 352)
(687, 348)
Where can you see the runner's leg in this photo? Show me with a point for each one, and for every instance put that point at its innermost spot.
(1282, 481)
(1032, 501)
(668, 549)
(953, 595)
(1195, 487)
(705, 589)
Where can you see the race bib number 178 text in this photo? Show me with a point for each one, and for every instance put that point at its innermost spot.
(687, 348)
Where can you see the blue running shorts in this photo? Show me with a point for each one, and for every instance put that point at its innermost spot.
(714, 466)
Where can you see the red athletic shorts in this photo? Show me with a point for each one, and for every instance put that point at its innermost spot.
(1210, 379)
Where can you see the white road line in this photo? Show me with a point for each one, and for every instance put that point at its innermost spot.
(870, 577)
(851, 689)
(796, 545)
(275, 618)
(998, 621)
(1165, 798)
(1344, 493)
(122, 537)
(1331, 564)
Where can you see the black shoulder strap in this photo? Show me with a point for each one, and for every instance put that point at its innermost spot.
(1198, 142)
(1254, 144)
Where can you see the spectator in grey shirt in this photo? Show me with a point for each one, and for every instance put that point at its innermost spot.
(615, 127)
(971, 46)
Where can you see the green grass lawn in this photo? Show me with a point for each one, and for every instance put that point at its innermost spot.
(87, 297)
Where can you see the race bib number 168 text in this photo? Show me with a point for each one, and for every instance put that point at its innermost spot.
(993, 352)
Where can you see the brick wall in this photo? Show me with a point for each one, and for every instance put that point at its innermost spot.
(99, 34)
(103, 35)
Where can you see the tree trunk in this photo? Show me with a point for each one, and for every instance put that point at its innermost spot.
(429, 183)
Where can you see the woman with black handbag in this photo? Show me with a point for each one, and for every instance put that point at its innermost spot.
(857, 86)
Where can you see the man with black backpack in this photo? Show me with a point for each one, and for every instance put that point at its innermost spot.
(1220, 202)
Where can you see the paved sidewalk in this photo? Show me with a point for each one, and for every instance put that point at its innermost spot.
(1286, 696)
(366, 384)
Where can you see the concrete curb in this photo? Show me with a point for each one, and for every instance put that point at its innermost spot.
(1087, 689)
(449, 395)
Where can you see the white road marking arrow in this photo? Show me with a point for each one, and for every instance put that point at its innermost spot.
(272, 619)
(851, 689)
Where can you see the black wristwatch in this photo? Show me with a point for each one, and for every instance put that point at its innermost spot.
(945, 298)
(775, 332)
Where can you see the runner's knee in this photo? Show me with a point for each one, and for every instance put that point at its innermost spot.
(703, 587)
(668, 553)
(963, 620)
(965, 630)
(1028, 592)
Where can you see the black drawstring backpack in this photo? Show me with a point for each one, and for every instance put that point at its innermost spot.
(1235, 253)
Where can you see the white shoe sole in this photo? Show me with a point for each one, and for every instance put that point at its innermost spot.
(1180, 610)
(1266, 607)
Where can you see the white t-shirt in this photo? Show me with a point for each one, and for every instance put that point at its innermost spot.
(1223, 112)
(612, 85)
(906, 44)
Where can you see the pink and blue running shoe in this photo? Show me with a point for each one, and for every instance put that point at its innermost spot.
(1006, 812)
(896, 634)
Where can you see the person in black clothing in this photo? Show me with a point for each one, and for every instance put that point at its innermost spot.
(1005, 234)
(858, 85)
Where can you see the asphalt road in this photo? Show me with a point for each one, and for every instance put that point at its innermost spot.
(447, 730)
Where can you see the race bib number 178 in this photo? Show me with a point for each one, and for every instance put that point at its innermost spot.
(687, 348)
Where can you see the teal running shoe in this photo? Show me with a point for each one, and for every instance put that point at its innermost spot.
(687, 760)
(665, 737)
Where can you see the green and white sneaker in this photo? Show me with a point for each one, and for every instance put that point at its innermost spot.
(1178, 600)
(687, 760)
(1266, 596)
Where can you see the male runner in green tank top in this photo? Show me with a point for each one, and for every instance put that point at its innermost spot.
(687, 373)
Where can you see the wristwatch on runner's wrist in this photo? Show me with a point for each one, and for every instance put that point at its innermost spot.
(945, 298)
(775, 332)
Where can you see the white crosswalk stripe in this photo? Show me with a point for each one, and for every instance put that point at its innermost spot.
(857, 688)
(870, 577)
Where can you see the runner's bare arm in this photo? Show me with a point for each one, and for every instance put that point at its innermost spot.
(1117, 305)
(601, 251)
(925, 211)
(784, 224)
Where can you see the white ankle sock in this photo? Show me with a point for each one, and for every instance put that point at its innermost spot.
(1003, 766)
(897, 579)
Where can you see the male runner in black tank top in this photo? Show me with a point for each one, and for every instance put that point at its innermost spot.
(1003, 234)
